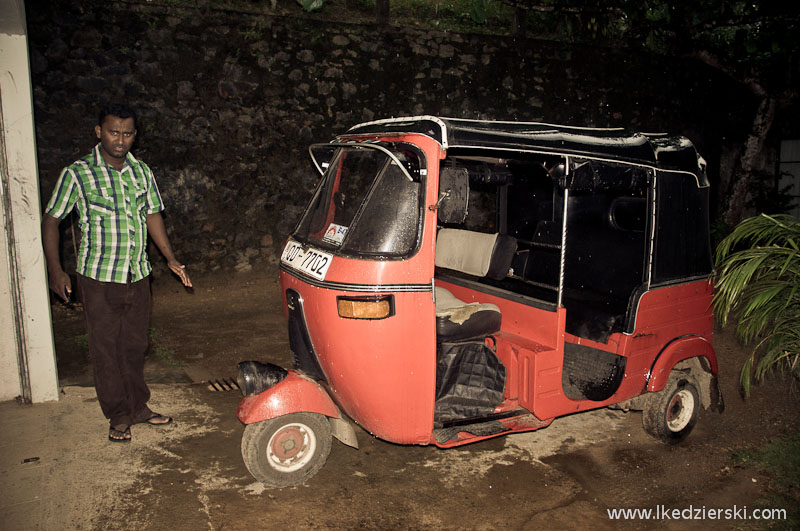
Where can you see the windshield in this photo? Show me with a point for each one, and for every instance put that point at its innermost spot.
(367, 204)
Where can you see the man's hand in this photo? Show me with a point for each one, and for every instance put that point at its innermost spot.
(180, 270)
(61, 285)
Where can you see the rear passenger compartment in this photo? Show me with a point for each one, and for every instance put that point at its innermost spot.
(550, 294)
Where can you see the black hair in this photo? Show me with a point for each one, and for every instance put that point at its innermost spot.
(116, 109)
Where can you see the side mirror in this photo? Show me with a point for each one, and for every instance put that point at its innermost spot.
(453, 195)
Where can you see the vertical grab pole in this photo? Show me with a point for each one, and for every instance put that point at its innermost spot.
(563, 235)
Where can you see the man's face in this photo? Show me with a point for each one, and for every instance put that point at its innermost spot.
(116, 138)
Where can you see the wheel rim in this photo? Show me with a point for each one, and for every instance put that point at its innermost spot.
(291, 447)
(680, 410)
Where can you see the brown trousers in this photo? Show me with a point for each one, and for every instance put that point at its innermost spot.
(117, 321)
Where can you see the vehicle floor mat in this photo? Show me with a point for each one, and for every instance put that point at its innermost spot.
(479, 429)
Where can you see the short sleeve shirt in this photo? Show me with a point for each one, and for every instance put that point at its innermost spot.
(112, 207)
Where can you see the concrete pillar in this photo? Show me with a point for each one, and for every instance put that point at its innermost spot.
(27, 355)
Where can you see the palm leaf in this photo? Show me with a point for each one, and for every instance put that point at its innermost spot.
(757, 279)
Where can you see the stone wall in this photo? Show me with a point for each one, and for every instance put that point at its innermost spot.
(229, 102)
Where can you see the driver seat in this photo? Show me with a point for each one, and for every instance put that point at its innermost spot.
(457, 320)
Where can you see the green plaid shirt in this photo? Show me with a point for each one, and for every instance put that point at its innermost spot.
(112, 207)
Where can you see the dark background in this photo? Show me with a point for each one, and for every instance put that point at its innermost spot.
(230, 101)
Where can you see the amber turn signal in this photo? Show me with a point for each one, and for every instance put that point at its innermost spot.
(365, 307)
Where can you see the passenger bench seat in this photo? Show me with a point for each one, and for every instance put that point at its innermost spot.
(478, 254)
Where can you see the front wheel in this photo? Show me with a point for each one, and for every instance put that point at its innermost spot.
(287, 450)
(670, 414)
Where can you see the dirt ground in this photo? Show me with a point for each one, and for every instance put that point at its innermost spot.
(564, 476)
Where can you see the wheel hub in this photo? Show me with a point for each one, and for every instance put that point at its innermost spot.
(291, 447)
(288, 443)
(680, 410)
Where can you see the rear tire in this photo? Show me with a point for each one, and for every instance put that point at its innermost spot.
(287, 450)
(670, 414)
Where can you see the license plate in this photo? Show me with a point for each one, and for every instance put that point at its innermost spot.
(310, 261)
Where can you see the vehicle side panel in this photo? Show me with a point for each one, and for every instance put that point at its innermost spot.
(672, 323)
(381, 375)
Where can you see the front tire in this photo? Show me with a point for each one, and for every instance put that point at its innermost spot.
(670, 414)
(287, 450)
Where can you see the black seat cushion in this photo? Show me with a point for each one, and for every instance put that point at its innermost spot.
(457, 320)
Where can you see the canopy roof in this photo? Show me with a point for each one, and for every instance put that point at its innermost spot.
(659, 150)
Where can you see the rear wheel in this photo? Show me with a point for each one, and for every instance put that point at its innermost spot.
(287, 450)
(670, 414)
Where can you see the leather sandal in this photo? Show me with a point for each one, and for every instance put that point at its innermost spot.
(120, 433)
(157, 419)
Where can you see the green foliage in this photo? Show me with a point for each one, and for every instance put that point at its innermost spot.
(254, 32)
(757, 279)
(780, 459)
(311, 5)
(478, 10)
(656, 11)
(762, 35)
(167, 356)
(767, 197)
(755, 36)
(737, 32)
(81, 341)
(719, 229)
(456, 15)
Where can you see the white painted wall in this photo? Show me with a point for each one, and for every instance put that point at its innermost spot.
(25, 328)
(790, 171)
(9, 372)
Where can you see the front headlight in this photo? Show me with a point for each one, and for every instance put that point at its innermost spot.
(255, 377)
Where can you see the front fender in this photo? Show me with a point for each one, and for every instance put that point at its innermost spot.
(295, 394)
(675, 352)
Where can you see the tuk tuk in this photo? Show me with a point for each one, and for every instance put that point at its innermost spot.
(453, 280)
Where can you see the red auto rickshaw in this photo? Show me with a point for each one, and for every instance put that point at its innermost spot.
(454, 280)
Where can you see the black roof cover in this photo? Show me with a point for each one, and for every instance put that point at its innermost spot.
(667, 152)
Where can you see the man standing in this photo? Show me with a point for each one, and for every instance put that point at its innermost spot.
(118, 204)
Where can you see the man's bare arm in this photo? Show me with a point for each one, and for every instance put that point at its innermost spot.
(157, 231)
(58, 279)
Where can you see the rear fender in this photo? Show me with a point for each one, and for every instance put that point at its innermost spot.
(694, 355)
(295, 394)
